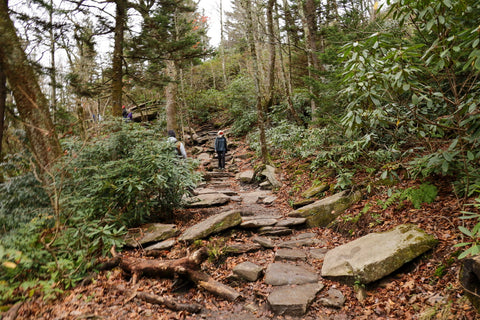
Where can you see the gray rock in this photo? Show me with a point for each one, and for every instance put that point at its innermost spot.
(315, 189)
(238, 248)
(299, 243)
(269, 173)
(289, 254)
(280, 274)
(246, 176)
(201, 191)
(322, 212)
(334, 299)
(248, 271)
(266, 185)
(302, 203)
(216, 174)
(163, 245)
(275, 231)
(293, 301)
(290, 222)
(305, 235)
(213, 224)
(253, 197)
(258, 223)
(318, 253)
(269, 200)
(264, 242)
(207, 200)
(152, 232)
(376, 255)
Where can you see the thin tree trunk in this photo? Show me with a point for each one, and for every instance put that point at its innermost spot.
(117, 63)
(307, 13)
(3, 104)
(171, 96)
(256, 71)
(30, 100)
(286, 83)
(272, 53)
(53, 70)
(222, 45)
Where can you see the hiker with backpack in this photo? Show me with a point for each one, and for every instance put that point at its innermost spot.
(179, 147)
(221, 149)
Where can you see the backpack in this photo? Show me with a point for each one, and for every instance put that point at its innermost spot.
(177, 147)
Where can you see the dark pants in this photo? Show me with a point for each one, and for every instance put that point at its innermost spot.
(221, 159)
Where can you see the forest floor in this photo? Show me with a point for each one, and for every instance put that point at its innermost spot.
(426, 288)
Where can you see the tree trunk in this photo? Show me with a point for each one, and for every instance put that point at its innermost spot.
(256, 75)
(53, 70)
(117, 63)
(30, 101)
(307, 13)
(272, 53)
(286, 80)
(470, 279)
(3, 104)
(171, 96)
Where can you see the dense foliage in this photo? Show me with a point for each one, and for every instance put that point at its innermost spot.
(125, 175)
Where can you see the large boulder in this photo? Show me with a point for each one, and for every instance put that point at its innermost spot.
(322, 212)
(246, 176)
(315, 189)
(376, 255)
(213, 224)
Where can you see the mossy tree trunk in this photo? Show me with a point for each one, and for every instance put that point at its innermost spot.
(30, 101)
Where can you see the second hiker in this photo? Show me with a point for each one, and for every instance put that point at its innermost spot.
(179, 147)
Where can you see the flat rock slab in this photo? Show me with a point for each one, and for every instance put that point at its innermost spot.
(318, 253)
(281, 274)
(239, 248)
(293, 301)
(376, 255)
(217, 174)
(248, 271)
(258, 223)
(207, 200)
(275, 231)
(290, 222)
(163, 245)
(315, 189)
(264, 242)
(255, 196)
(289, 254)
(153, 232)
(214, 191)
(308, 242)
(213, 224)
(322, 212)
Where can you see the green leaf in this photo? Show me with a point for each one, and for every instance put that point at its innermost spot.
(465, 231)
(470, 156)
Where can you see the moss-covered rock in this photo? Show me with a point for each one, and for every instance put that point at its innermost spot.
(322, 212)
(376, 255)
(315, 189)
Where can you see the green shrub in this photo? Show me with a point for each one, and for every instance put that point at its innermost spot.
(127, 175)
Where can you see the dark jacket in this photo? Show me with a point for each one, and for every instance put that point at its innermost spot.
(221, 144)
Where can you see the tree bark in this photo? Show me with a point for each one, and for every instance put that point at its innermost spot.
(470, 279)
(117, 63)
(30, 101)
(256, 74)
(171, 96)
(3, 104)
(188, 267)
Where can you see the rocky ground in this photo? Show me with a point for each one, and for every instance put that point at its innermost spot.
(426, 288)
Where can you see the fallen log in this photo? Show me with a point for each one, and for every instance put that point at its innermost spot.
(188, 267)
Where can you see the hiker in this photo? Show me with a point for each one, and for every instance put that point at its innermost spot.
(124, 112)
(129, 115)
(221, 149)
(178, 144)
